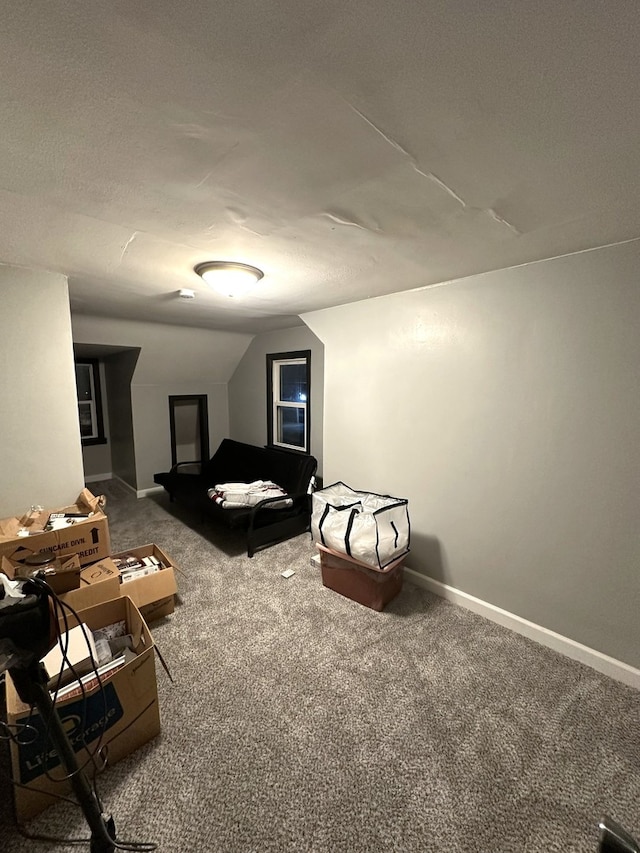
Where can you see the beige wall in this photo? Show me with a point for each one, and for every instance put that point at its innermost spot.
(505, 407)
(40, 451)
(248, 387)
(172, 360)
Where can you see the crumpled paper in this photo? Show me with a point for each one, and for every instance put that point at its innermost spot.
(11, 589)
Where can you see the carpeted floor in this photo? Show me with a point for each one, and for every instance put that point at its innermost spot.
(299, 720)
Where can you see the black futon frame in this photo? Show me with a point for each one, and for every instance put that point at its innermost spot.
(235, 462)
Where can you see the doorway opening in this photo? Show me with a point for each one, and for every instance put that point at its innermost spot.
(189, 425)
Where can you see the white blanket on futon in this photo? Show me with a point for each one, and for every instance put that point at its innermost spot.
(236, 495)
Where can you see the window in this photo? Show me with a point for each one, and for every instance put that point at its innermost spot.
(288, 397)
(89, 402)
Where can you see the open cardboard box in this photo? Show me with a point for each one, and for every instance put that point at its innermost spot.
(98, 582)
(122, 714)
(153, 594)
(82, 587)
(62, 576)
(89, 538)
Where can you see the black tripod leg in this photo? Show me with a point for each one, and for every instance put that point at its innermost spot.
(32, 691)
(615, 839)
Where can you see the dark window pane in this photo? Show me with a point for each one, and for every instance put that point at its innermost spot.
(83, 381)
(86, 422)
(293, 383)
(291, 426)
(288, 395)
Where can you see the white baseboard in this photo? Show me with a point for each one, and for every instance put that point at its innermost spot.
(139, 493)
(154, 490)
(124, 483)
(596, 660)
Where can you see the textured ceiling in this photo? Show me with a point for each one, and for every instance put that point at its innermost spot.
(348, 150)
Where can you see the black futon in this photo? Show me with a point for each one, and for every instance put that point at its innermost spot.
(235, 462)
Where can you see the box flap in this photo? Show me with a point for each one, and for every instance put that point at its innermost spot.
(63, 565)
(97, 572)
(94, 593)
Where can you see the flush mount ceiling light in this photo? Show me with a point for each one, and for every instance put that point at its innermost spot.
(228, 277)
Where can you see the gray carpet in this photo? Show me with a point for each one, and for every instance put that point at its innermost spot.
(302, 721)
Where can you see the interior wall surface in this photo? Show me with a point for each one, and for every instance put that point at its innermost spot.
(248, 387)
(505, 407)
(96, 458)
(119, 370)
(40, 450)
(173, 360)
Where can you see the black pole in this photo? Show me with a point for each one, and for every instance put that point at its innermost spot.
(31, 687)
(614, 838)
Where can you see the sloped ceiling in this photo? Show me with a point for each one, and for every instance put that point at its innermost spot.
(347, 149)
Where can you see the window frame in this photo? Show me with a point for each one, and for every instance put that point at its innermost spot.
(94, 405)
(274, 361)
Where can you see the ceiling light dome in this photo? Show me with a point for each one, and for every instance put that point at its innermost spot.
(228, 277)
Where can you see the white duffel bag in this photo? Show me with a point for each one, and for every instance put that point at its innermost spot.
(371, 528)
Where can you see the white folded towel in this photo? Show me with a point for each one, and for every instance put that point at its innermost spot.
(236, 495)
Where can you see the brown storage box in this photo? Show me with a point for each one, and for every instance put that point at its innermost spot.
(62, 575)
(153, 594)
(89, 539)
(98, 582)
(362, 583)
(125, 711)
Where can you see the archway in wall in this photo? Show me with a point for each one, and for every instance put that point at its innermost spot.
(115, 458)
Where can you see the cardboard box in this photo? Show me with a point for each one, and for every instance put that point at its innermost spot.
(122, 714)
(99, 572)
(79, 655)
(365, 584)
(62, 575)
(89, 539)
(98, 582)
(153, 594)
